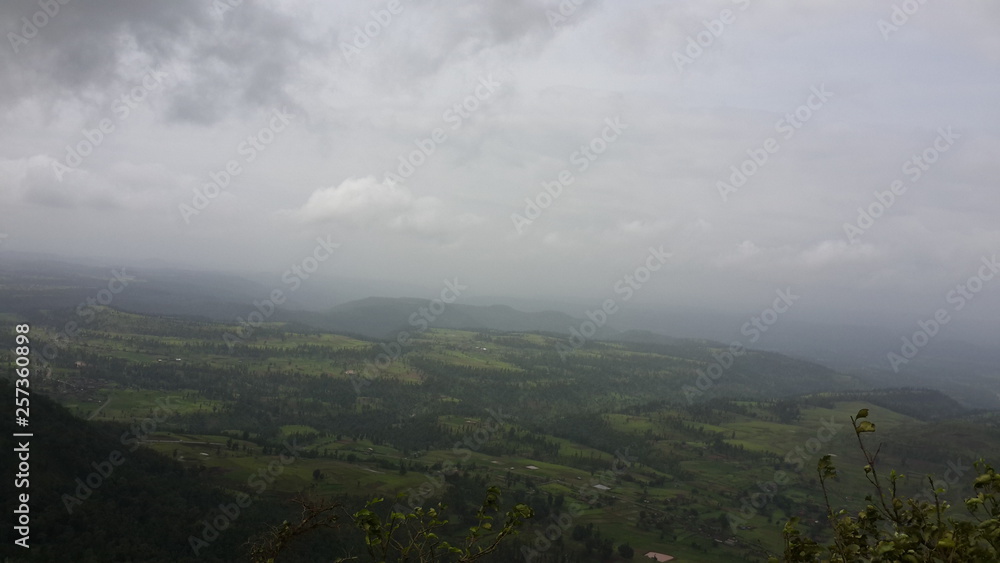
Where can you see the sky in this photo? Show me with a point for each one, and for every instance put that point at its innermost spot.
(844, 151)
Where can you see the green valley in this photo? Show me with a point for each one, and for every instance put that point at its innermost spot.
(604, 445)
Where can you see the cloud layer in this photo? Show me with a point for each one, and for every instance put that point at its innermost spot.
(499, 100)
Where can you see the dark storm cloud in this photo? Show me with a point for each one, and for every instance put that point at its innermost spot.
(225, 60)
(84, 45)
(253, 56)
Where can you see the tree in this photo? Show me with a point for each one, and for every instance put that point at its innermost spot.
(626, 551)
(401, 537)
(891, 528)
(268, 545)
(418, 537)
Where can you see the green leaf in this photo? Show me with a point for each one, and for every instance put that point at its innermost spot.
(863, 413)
(865, 426)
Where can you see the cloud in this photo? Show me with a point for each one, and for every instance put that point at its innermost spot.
(367, 202)
(452, 217)
(745, 251)
(90, 54)
(359, 199)
(833, 252)
(124, 185)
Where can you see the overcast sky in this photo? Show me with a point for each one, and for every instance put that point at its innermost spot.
(314, 114)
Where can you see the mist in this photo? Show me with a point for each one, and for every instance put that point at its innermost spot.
(537, 152)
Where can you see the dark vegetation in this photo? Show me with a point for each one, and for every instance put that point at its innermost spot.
(451, 415)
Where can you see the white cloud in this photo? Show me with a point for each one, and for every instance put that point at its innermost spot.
(367, 202)
(357, 199)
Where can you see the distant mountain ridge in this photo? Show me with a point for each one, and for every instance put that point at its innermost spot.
(382, 317)
(33, 282)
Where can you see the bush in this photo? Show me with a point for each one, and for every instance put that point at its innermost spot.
(891, 528)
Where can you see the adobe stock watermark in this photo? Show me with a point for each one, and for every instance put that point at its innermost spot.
(105, 468)
(564, 11)
(455, 116)
(248, 149)
(586, 155)
(86, 310)
(700, 42)
(32, 26)
(292, 278)
(797, 456)
(956, 470)
(626, 286)
(366, 33)
(754, 328)
(470, 443)
(121, 108)
(421, 319)
(787, 126)
(913, 168)
(259, 481)
(899, 17)
(563, 521)
(958, 298)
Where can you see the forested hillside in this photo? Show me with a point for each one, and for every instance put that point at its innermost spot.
(615, 444)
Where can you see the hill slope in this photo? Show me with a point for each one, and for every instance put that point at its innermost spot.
(144, 509)
(382, 317)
